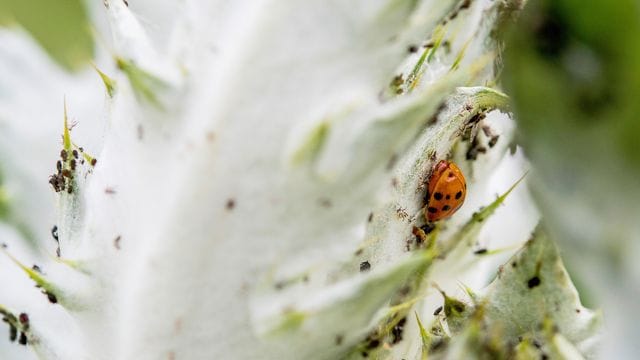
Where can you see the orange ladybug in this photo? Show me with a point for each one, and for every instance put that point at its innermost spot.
(447, 189)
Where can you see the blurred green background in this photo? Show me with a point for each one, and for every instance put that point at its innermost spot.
(572, 69)
(60, 26)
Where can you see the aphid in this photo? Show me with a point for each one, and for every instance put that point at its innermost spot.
(24, 319)
(57, 181)
(231, 203)
(13, 333)
(52, 298)
(23, 339)
(396, 331)
(533, 282)
(402, 213)
(447, 189)
(365, 266)
(54, 232)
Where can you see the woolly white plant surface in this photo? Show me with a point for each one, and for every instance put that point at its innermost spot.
(260, 179)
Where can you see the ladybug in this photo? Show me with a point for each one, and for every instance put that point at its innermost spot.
(446, 191)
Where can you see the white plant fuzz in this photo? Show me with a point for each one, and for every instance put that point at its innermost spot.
(260, 175)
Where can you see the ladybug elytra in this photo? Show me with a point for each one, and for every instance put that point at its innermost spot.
(447, 189)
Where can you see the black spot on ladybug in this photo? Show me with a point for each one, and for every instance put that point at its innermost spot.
(533, 282)
(448, 197)
(437, 196)
(451, 174)
(437, 311)
(446, 208)
(365, 266)
(458, 195)
(432, 210)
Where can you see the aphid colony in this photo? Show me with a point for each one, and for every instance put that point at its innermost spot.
(63, 179)
(17, 325)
